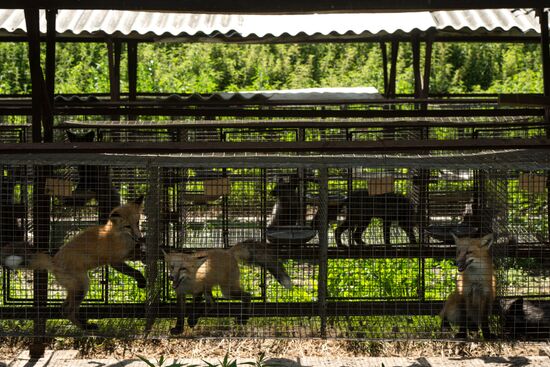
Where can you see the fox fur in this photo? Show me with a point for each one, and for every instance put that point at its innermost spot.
(471, 304)
(96, 246)
(198, 273)
(362, 207)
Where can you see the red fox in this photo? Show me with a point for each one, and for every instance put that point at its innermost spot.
(108, 244)
(472, 302)
(198, 273)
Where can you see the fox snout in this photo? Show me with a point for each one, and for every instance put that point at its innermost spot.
(463, 264)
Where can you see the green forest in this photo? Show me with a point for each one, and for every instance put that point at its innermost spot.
(206, 68)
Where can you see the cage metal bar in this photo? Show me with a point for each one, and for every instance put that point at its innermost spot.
(323, 250)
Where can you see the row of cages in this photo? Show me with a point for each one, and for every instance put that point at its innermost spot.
(476, 124)
(344, 247)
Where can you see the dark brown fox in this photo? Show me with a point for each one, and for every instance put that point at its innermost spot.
(525, 319)
(360, 208)
(287, 207)
(94, 182)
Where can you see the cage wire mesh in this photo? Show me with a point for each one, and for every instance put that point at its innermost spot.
(388, 223)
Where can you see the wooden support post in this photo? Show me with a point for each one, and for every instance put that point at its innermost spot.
(33, 32)
(132, 70)
(50, 75)
(393, 69)
(416, 69)
(544, 44)
(322, 288)
(427, 72)
(384, 50)
(152, 252)
(113, 54)
(41, 217)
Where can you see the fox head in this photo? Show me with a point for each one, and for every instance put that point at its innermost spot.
(126, 218)
(471, 250)
(182, 267)
(286, 189)
(79, 138)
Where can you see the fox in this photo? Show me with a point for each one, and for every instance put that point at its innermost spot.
(286, 211)
(362, 207)
(108, 244)
(94, 182)
(470, 305)
(528, 319)
(196, 274)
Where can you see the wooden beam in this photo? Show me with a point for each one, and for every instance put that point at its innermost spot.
(50, 75)
(278, 7)
(277, 147)
(32, 23)
(523, 100)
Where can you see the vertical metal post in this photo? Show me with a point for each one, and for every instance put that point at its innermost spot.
(40, 200)
(323, 250)
(152, 251)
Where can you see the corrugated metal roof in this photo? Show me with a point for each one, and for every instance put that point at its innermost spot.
(223, 27)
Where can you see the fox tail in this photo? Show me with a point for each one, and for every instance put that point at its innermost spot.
(258, 253)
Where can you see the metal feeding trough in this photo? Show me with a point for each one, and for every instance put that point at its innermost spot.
(442, 232)
(290, 235)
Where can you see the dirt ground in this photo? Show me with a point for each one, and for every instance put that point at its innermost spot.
(274, 348)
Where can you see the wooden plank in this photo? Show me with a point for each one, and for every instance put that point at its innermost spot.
(279, 7)
(340, 147)
(523, 100)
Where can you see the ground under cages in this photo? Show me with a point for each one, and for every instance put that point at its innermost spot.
(343, 246)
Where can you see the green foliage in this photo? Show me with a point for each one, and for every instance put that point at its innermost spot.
(206, 68)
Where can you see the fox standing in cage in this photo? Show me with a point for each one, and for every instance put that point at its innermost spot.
(108, 244)
(360, 208)
(198, 273)
(472, 302)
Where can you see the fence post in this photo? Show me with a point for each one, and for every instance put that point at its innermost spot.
(323, 249)
(152, 243)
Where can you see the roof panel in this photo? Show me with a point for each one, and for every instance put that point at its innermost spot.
(222, 27)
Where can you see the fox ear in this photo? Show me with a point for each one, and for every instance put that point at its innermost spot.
(90, 135)
(455, 238)
(200, 260)
(139, 200)
(487, 240)
(114, 217)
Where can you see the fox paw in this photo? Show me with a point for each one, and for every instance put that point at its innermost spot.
(141, 283)
(176, 330)
(90, 327)
(460, 335)
(192, 321)
(242, 320)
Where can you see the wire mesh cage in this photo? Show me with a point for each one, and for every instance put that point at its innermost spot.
(274, 245)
